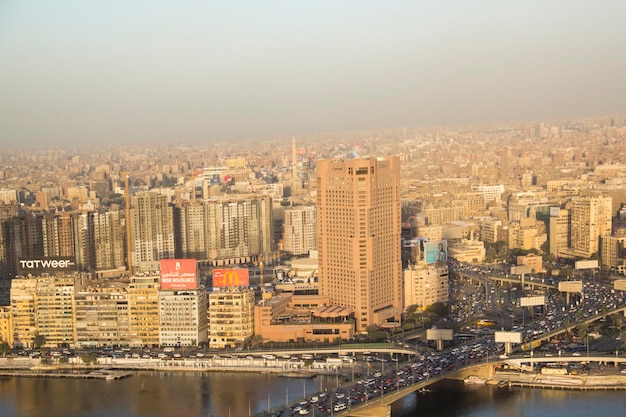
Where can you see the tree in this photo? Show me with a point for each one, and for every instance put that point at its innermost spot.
(89, 357)
(491, 254)
(39, 340)
(439, 309)
(5, 348)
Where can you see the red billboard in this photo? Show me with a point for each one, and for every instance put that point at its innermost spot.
(179, 274)
(231, 277)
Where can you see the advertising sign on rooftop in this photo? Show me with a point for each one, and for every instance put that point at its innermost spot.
(46, 264)
(436, 251)
(237, 277)
(179, 274)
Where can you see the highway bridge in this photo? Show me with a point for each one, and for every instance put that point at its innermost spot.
(479, 277)
(570, 326)
(380, 405)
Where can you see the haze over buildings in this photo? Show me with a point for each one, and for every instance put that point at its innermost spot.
(193, 71)
(250, 135)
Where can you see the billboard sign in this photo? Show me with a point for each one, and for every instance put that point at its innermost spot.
(508, 337)
(436, 251)
(620, 284)
(521, 269)
(47, 264)
(179, 274)
(439, 334)
(237, 277)
(571, 286)
(536, 300)
(586, 264)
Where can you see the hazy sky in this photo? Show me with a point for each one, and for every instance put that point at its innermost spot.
(135, 71)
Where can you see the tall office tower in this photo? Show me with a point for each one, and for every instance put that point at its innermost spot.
(57, 235)
(358, 235)
(143, 310)
(107, 239)
(191, 231)
(183, 317)
(239, 229)
(152, 230)
(21, 238)
(102, 317)
(559, 230)
(590, 218)
(231, 317)
(612, 251)
(299, 236)
(83, 253)
(6, 263)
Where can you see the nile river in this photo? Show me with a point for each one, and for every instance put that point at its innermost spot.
(178, 394)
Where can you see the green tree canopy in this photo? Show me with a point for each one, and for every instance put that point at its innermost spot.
(39, 340)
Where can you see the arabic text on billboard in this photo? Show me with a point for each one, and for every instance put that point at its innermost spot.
(46, 264)
(231, 277)
(178, 274)
(436, 251)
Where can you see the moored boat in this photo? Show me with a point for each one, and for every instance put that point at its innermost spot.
(476, 380)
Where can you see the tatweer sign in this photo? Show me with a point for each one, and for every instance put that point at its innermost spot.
(47, 264)
(179, 274)
(231, 277)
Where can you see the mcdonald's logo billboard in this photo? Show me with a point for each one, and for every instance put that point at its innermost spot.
(231, 277)
(179, 274)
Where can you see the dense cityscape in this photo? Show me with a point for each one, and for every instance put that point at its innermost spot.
(277, 213)
(280, 209)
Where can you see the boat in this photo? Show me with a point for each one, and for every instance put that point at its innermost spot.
(475, 380)
(297, 374)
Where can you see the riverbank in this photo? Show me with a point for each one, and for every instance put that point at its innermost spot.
(43, 372)
(27, 367)
(561, 382)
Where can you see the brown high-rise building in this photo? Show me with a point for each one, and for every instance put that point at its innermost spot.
(358, 234)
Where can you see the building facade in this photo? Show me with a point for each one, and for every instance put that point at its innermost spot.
(102, 317)
(590, 218)
(183, 317)
(299, 236)
(152, 230)
(143, 310)
(231, 317)
(425, 285)
(358, 234)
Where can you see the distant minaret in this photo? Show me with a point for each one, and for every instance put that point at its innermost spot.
(294, 168)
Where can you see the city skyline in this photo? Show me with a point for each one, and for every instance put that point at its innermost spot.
(117, 73)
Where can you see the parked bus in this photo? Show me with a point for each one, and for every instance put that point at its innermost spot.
(486, 323)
